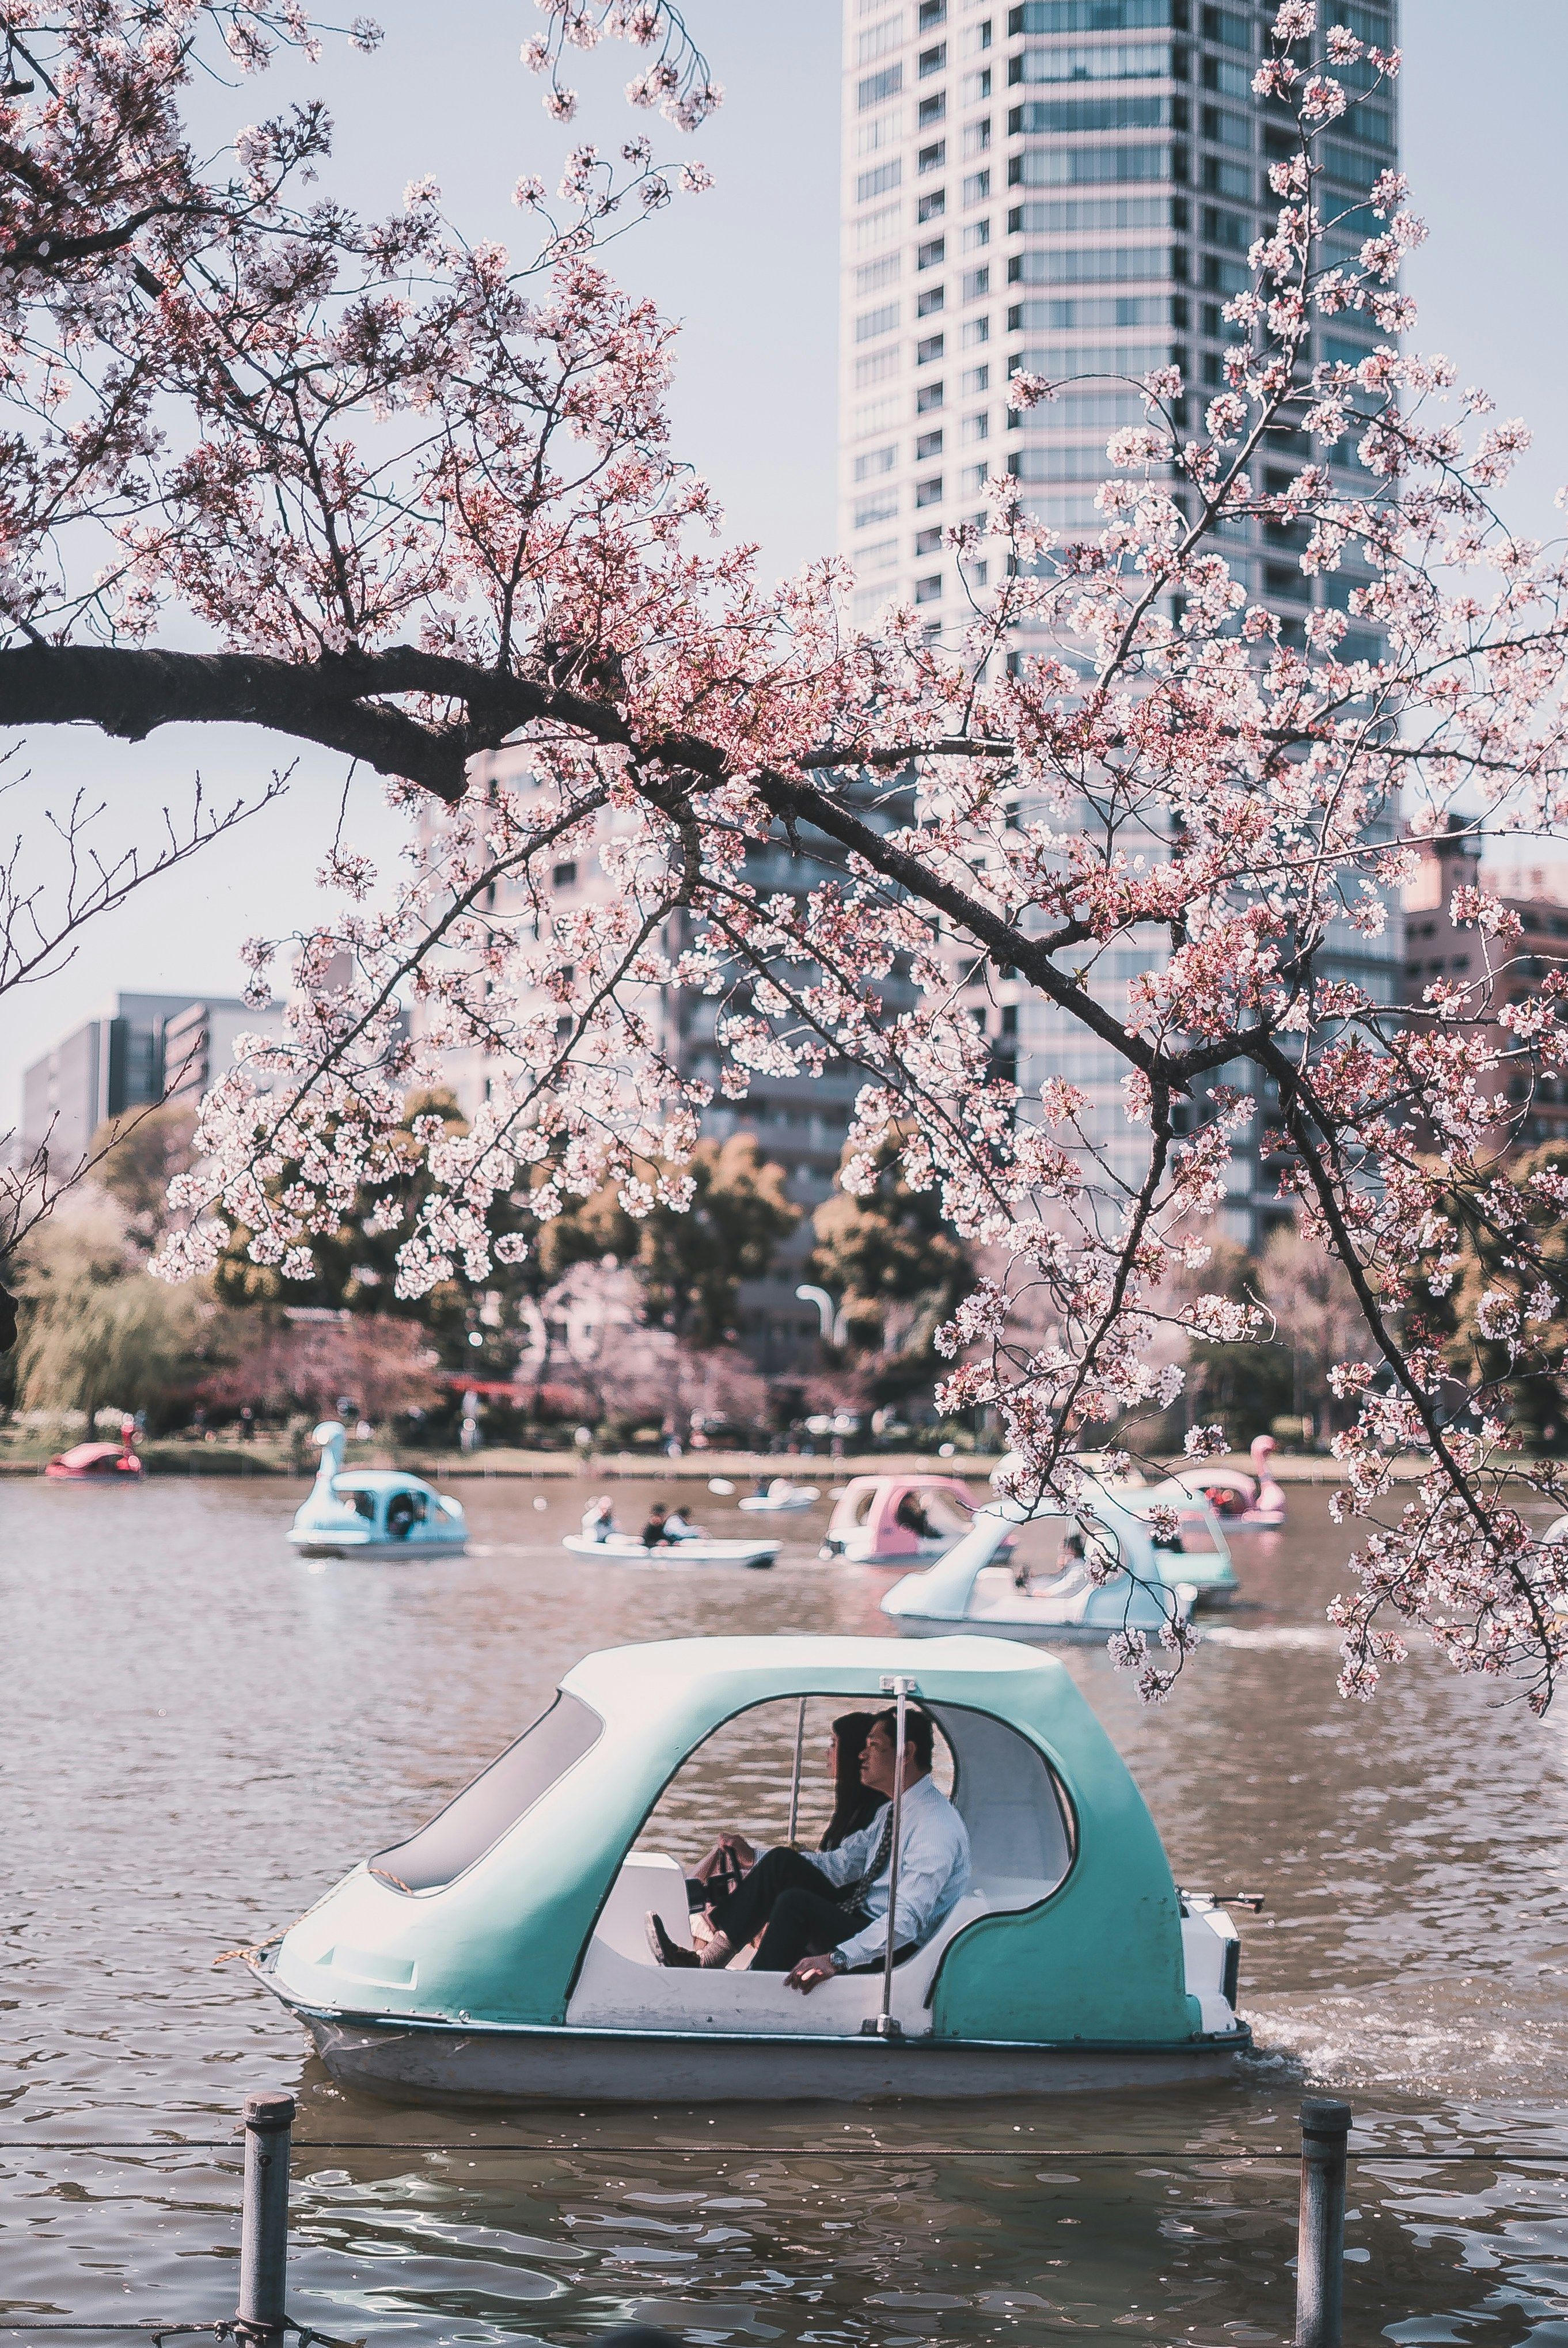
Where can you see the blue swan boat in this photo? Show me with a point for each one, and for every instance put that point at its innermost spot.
(373, 1512)
(499, 1953)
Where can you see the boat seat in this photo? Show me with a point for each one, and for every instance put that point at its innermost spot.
(620, 1986)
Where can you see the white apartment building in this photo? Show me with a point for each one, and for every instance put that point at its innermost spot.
(1068, 187)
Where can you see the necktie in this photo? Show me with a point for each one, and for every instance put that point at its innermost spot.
(848, 1895)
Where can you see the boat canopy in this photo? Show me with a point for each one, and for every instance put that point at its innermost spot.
(521, 1904)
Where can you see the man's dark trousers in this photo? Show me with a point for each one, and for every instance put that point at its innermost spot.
(797, 1905)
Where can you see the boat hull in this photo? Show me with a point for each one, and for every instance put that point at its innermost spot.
(324, 1544)
(451, 2064)
(620, 1549)
(1028, 1634)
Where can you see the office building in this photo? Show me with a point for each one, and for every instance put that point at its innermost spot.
(1069, 187)
(146, 1048)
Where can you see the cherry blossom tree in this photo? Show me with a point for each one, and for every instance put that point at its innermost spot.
(420, 498)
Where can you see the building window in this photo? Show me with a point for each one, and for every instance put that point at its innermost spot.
(934, 298)
(877, 87)
(928, 541)
(976, 87)
(928, 493)
(977, 283)
(932, 109)
(1224, 178)
(932, 251)
(876, 368)
(1231, 80)
(929, 444)
(929, 590)
(972, 478)
(975, 378)
(883, 506)
(873, 275)
(977, 136)
(931, 61)
(927, 397)
(977, 234)
(876, 322)
(931, 207)
(873, 462)
(927, 351)
(976, 189)
(931, 12)
(878, 183)
(931, 159)
(977, 427)
(563, 876)
(975, 330)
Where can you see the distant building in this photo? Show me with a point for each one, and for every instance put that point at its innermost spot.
(1436, 947)
(146, 1049)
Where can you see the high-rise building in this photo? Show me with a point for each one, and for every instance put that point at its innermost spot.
(147, 1048)
(1070, 187)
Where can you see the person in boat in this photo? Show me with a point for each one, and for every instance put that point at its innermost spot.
(1069, 1552)
(855, 1804)
(910, 1514)
(679, 1527)
(599, 1518)
(828, 1915)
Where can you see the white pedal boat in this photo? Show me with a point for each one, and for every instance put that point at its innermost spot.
(779, 1497)
(499, 1953)
(1113, 1582)
(692, 1548)
(373, 1512)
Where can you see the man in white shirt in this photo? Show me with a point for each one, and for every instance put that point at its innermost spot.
(827, 1914)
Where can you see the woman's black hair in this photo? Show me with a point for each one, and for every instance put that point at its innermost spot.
(855, 1805)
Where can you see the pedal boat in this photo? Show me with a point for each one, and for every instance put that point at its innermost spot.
(1115, 1584)
(1199, 1554)
(1246, 1503)
(95, 1462)
(781, 1497)
(499, 1953)
(688, 1548)
(373, 1512)
(864, 1527)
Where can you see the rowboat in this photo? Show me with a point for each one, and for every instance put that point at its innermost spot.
(499, 1953)
(691, 1549)
(373, 1512)
(781, 1497)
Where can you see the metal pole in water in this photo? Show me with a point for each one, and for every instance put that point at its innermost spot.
(264, 2218)
(795, 1781)
(1320, 2249)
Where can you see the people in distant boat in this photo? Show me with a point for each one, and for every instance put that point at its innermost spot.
(678, 1527)
(667, 1525)
(1069, 1553)
(910, 1514)
(599, 1518)
(828, 1915)
(404, 1511)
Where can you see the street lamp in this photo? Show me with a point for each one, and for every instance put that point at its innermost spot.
(834, 1327)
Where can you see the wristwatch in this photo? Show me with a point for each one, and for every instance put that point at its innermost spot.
(838, 1960)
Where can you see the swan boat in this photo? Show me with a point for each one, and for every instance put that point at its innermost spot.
(373, 1512)
(1246, 1503)
(686, 1549)
(500, 1952)
(871, 1520)
(1196, 1551)
(1043, 1574)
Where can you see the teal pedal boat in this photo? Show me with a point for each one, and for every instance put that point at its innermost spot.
(1048, 1575)
(1198, 1552)
(373, 1512)
(499, 1954)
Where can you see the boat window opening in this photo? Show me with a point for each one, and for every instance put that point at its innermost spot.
(475, 1820)
(364, 1504)
(1192, 1537)
(741, 1774)
(864, 1506)
(1046, 1547)
(1023, 1828)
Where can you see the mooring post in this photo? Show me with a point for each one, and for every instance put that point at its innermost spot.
(1320, 2249)
(264, 2218)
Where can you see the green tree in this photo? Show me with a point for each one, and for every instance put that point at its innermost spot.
(897, 1269)
(1533, 1379)
(1240, 1387)
(690, 1264)
(98, 1331)
(140, 1159)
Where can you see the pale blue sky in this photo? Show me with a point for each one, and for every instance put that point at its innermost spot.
(750, 271)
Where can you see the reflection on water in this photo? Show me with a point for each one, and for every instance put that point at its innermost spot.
(201, 1733)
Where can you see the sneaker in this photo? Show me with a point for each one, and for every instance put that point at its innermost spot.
(666, 1950)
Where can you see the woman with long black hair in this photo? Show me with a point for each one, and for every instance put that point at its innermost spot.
(855, 1804)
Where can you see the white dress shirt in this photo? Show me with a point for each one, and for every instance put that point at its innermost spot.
(932, 1872)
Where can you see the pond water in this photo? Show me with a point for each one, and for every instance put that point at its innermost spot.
(201, 1733)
